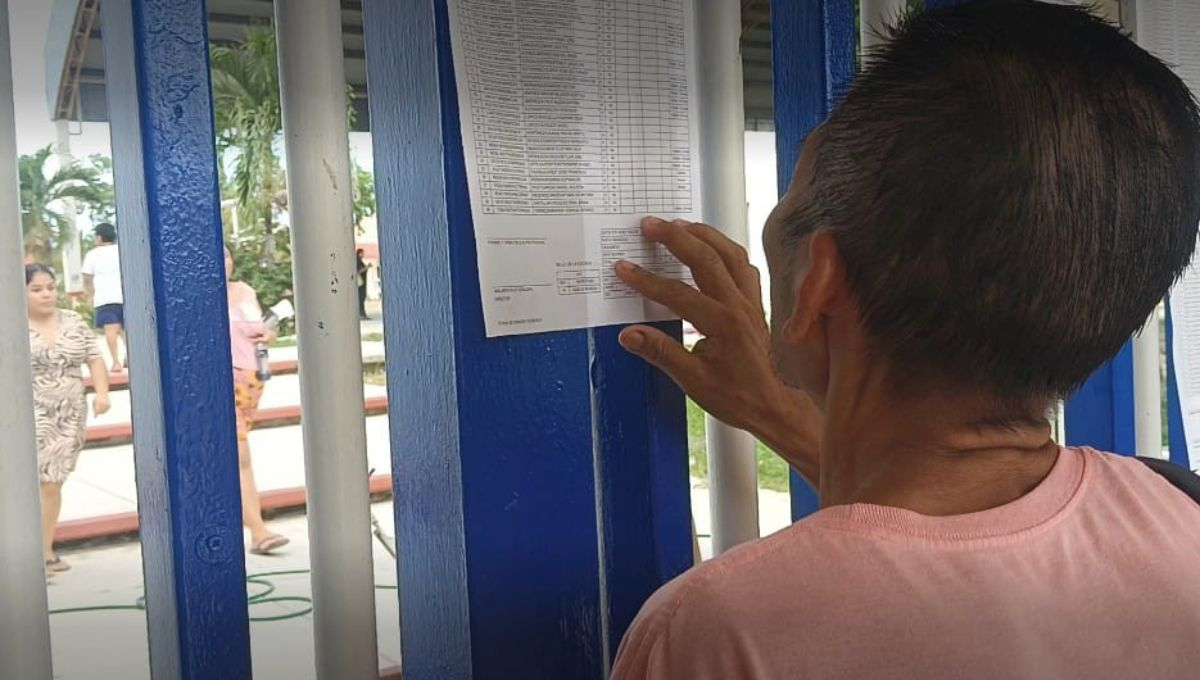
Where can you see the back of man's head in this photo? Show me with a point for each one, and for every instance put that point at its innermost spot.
(105, 233)
(1014, 187)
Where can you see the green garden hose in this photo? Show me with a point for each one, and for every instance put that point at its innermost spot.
(263, 596)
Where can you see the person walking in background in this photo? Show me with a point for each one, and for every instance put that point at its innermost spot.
(60, 343)
(245, 329)
(363, 267)
(102, 282)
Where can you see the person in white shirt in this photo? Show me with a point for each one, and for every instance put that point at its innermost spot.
(102, 281)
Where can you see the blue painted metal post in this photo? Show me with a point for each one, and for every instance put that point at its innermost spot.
(1101, 413)
(813, 49)
(540, 481)
(156, 63)
(1176, 438)
(640, 423)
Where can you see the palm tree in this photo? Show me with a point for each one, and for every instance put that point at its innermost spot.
(364, 194)
(45, 223)
(249, 125)
(245, 82)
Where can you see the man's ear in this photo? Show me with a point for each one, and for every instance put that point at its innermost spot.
(818, 290)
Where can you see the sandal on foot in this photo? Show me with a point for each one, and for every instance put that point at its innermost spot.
(269, 544)
(57, 564)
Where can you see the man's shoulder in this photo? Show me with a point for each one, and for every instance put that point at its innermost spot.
(1130, 488)
(102, 253)
(696, 625)
(738, 579)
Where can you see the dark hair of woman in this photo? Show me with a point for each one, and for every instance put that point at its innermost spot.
(37, 268)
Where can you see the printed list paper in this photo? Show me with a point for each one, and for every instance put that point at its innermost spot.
(578, 119)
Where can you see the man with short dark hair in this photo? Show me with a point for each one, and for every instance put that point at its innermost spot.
(102, 282)
(1001, 199)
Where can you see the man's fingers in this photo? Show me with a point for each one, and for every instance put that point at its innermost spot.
(708, 267)
(660, 350)
(737, 260)
(705, 313)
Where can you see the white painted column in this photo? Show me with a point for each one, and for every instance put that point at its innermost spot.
(24, 626)
(1147, 391)
(1161, 24)
(732, 467)
(313, 91)
(874, 15)
(72, 264)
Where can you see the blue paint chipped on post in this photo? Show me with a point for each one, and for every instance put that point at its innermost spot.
(811, 43)
(156, 62)
(540, 481)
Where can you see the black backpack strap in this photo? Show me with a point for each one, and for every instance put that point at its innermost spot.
(1180, 477)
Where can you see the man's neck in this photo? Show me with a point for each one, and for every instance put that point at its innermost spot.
(934, 456)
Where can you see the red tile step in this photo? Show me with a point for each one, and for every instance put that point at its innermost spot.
(120, 381)
(127, 522)
(116, 434)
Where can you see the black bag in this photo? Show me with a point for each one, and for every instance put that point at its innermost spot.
(1180, 477)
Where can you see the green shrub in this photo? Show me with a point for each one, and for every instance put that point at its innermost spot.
(270, 274)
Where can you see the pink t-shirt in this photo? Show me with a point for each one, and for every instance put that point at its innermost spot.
(1094, 574)
(245, 321)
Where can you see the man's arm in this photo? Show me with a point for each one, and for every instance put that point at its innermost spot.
(729, 372)
(88, 269)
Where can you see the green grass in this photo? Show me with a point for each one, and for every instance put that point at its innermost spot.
(772, 471)
(375, 376)
(290, 340)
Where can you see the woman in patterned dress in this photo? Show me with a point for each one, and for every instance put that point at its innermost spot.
(245, 329)
(60, 343)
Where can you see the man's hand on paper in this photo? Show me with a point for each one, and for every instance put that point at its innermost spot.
(728, 372)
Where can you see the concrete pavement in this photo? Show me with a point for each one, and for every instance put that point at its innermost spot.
(112, 644)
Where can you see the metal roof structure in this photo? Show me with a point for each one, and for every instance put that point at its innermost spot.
(75, 55)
